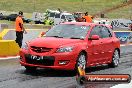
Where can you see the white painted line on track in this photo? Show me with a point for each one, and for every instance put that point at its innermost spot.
(7, 58)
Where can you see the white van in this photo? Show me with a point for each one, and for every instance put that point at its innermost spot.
(63, 17)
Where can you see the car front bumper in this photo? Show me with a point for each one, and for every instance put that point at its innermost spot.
(69, 58)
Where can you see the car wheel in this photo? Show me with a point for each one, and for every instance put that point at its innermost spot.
(81, 61)
(28, 68)
(115, 59)
(27, 21)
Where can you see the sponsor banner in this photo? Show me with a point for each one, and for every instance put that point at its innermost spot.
(121, 23)
(125, 37)
(83, 79)
(103, 78)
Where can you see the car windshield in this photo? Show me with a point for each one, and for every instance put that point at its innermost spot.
(68, 31)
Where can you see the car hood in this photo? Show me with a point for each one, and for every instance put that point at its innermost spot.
(50, 42)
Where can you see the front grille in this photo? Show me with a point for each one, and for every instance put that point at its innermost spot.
(46, 61)
(40, 49)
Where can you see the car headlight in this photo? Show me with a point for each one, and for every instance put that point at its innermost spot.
(65, 49)
(25, 46)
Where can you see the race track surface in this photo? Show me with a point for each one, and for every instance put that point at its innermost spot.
(12, 75)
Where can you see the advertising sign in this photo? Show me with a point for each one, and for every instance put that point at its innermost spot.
(121, 23)
(124, 36)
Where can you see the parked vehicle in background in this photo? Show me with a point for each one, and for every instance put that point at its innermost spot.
(26, 20)
(56, 17)
(11, 17)
(2, 17)
(38, 18)
(69, 45)
(63, 17)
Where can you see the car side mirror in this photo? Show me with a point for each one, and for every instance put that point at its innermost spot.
(94, 37)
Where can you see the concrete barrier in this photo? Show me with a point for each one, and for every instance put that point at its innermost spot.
(3, 33)
(8, 48)
(3, 26)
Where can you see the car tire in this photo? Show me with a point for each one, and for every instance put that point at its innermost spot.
(27, 21)
(115, 59)
(81, 61)
(28, 68)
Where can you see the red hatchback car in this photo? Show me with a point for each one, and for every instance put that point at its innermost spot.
(72, 44)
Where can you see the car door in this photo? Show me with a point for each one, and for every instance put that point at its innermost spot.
(96, 46)
(107, 42)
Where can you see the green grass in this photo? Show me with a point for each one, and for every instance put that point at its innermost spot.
(29, 6)
(125, 12)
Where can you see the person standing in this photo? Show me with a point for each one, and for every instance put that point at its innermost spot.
(87, 18)
(19, 29)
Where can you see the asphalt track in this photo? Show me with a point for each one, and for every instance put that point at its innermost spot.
(12, 75)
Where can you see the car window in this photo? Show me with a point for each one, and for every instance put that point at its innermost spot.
(105, 33)
(69, 31)
(96, 31)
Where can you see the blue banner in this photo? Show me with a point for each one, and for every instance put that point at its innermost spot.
(125, 37)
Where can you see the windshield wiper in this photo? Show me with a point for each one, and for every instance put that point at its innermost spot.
(55, 36)
(76, 38)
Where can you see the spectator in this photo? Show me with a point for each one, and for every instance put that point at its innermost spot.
(19, 29)
(87, 18)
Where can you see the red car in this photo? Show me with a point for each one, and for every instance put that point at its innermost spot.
(72, 44)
